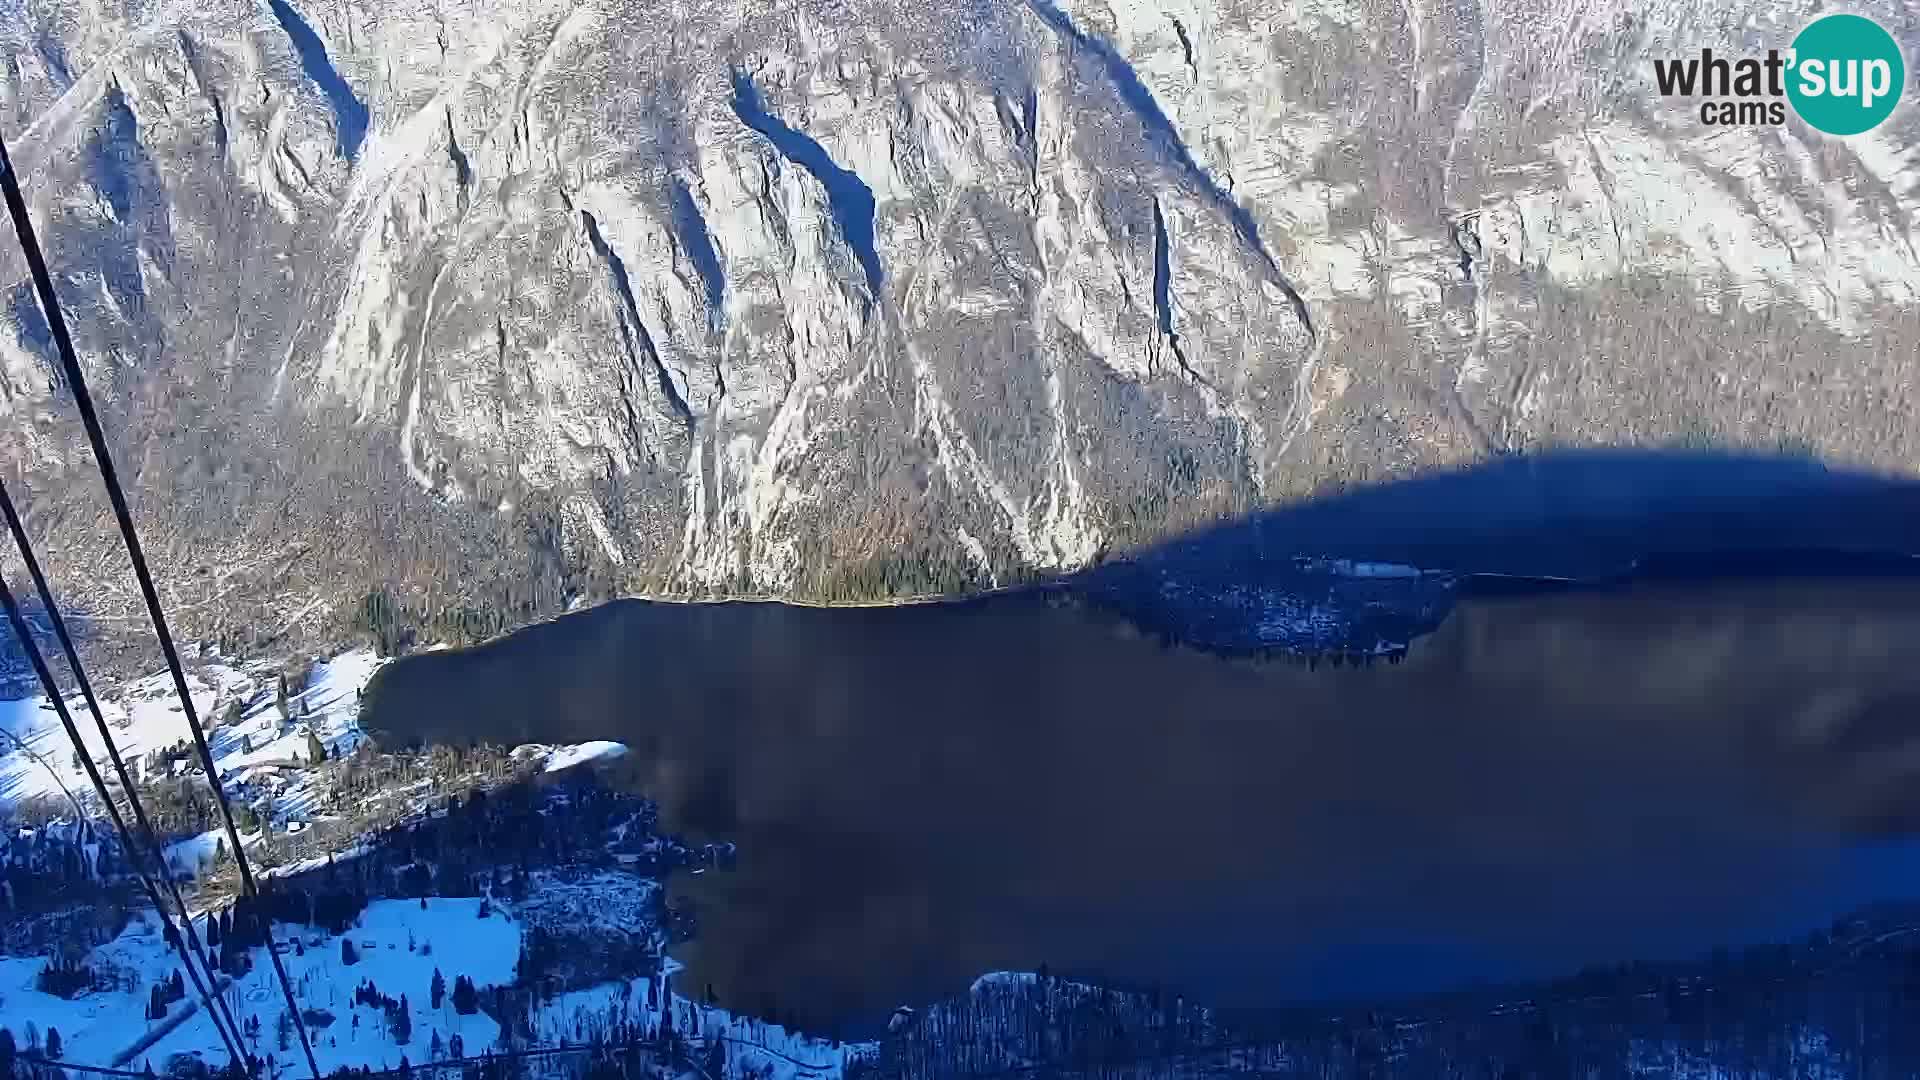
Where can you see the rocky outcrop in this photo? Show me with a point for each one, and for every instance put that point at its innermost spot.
(860, 298)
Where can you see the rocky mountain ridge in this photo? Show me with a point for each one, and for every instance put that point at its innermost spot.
(482, 308)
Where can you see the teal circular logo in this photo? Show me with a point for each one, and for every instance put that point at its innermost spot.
(1847, 74)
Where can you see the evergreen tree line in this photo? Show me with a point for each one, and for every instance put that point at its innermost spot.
(1828, 1006)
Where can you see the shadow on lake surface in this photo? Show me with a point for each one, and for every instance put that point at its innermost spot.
(1583, 515)
(1577, 513)
(921, 794)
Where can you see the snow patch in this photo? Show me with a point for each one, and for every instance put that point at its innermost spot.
(566, 757)
(399, 944)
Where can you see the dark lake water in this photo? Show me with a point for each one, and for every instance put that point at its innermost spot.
(921, 794)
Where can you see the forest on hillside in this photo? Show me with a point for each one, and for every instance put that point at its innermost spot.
(1843, 1001)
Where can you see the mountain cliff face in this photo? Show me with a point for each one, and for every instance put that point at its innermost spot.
(497, 305)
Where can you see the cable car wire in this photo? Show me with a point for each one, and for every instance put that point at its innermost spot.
(77, 384)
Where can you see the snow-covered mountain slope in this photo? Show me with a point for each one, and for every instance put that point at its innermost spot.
(871, 298)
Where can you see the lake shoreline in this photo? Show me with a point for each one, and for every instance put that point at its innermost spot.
(921, 793)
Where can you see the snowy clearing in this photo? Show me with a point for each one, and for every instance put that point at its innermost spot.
(399, 945)
(255, 751)
(146, 716)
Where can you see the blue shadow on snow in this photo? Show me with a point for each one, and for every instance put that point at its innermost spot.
(350, 114)
(849, 196)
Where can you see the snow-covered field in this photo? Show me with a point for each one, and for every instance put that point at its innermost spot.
(185, 855)
(258, 752)
(102, 1027)
(400, 944)
(146, 716)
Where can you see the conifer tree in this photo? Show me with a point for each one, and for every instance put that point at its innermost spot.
(465, 997)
